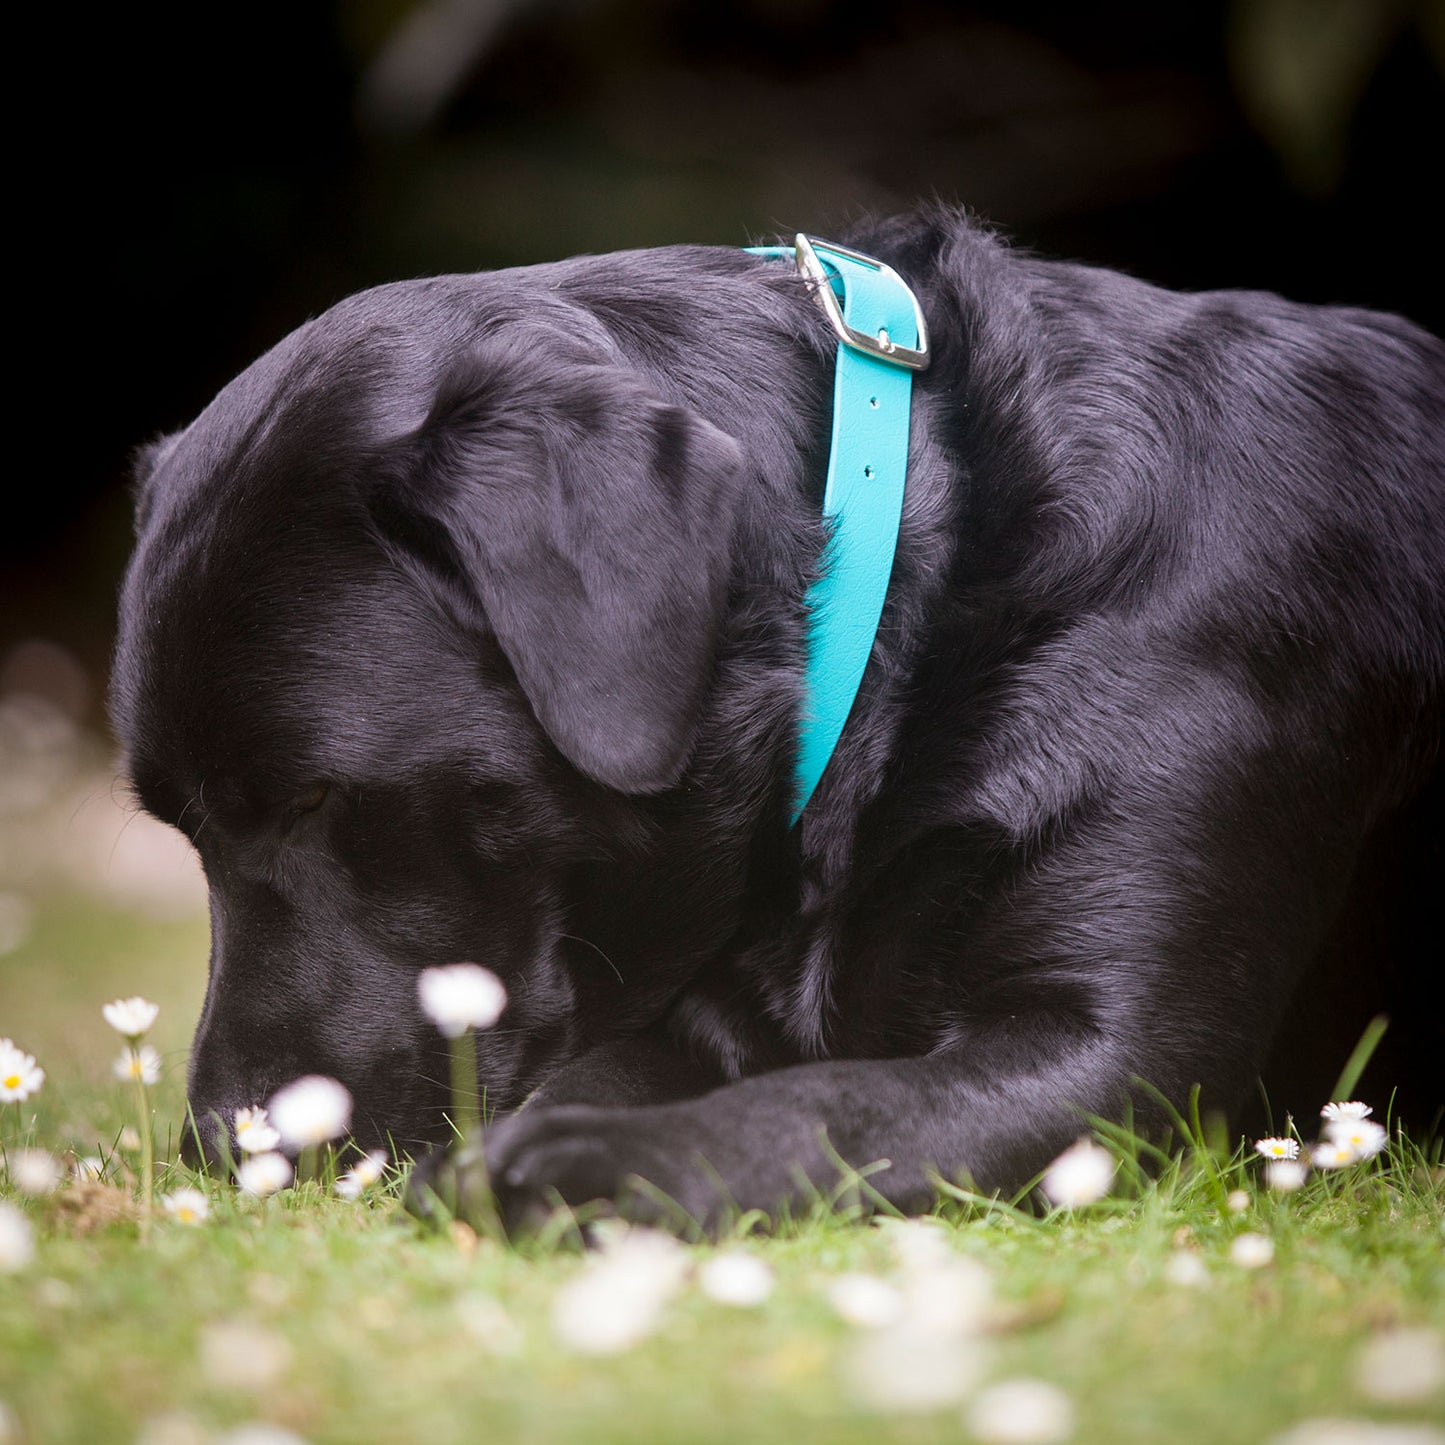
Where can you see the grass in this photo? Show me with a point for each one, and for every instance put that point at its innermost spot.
(392, 1333)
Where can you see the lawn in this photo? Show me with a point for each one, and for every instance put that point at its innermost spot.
(343, 1320)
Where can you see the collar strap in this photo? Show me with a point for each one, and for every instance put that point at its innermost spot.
(882, 341)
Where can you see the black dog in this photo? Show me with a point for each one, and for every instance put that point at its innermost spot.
(469, 623)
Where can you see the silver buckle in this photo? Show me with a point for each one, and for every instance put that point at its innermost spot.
(914, 358)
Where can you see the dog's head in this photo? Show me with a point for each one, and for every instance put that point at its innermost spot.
(419, 626)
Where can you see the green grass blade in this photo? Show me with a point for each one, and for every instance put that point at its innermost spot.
(1358, 1060)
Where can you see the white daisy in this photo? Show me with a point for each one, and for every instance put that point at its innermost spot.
(20, 1075)
(461, 996)
(91, 1167)
(142, 1063)
(486, 1320)
(1237, 1201)
(736, 1278)
(1404, 1365)
(17, 1239)
(1277, 1148)
(1252, 1251)
(254, 1134)
(34, 1171)
(1185, 1267)
(259, 1432)
(310, 1111)
(954, 1298)
(362, 1175)
(239, 1355)
(1284, 1176)
(618, 1298)
(186, 1206)
(1327, 1154)
(906, 1371)
(263, 1174)
(1353, 1110)
(919, 1244)
(865, 1300)
(131, 1017)
(1021, 1412)
(1364, 1137)
(1080, 1175)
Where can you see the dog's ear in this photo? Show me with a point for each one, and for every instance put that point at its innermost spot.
(594, 523)
(146, 461)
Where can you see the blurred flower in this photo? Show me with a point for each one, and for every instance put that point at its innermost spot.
(1184, 1267)
(34, 1171)
(259, 1432)
(1080, 1175)
(904, 1370)
(618, 1298)
(142, 1063)
(16, 920)
(92, 1166)
(1251, 1251)
(1403, 1366)
(919, 1244)
(187, 1206)
(1329, 1155)
(1237, 1201)
(1364, 1137)
(486, 1320)
(1352, 1110)
(865, 1300)
(461, 996)
(1277, 1148)
(129, 1137)
(17, 1239)
(53, 1294)
(20, 1075)
(310, 1111)
(131, 1017)
(1285, 1175)
(263, 1174)
(254, 1134)
(1021, 1412)
(173, 1427)
(735, 1278)
(362, 1175)
(955, 1297)
(1344, 1430)
(238, 1355)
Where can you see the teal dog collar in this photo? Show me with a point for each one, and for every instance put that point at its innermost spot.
(882, 342)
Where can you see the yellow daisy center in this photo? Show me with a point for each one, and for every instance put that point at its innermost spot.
(12, 1081)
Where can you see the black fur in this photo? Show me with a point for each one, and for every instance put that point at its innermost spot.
(1140, 773)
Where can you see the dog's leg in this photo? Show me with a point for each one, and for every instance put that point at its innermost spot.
(784, 1139)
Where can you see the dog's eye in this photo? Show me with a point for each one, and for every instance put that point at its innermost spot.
(309, 800)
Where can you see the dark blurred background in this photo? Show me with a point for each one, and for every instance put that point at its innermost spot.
(196, 181)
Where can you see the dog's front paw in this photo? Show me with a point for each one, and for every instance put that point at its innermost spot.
(578, 1155)
(518, 1172)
